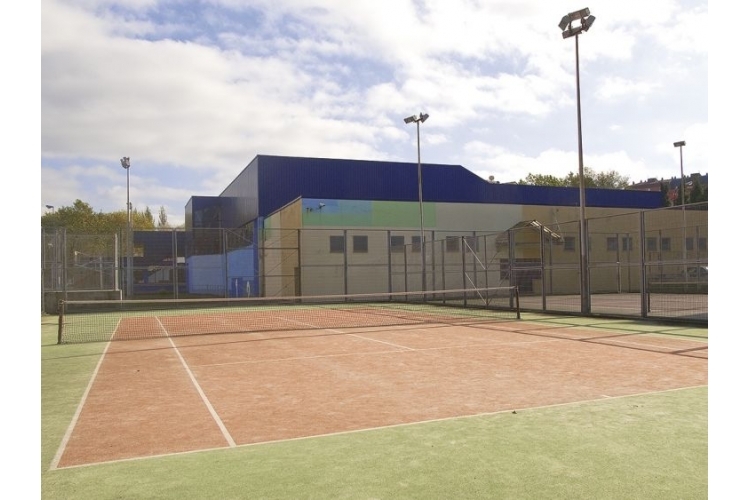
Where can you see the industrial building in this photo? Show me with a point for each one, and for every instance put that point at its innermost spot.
(308, 226)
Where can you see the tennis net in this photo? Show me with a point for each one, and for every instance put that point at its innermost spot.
(104, 320)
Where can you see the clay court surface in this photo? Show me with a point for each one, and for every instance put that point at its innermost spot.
(170, 395)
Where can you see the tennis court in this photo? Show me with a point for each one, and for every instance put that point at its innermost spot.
(175, 390)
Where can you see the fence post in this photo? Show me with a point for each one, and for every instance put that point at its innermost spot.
(542, 255)
(346, 262)
(644, 279)
(406, 272)
(175, 286)
(60, 320)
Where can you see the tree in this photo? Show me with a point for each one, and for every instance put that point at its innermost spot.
(80, 218)
(610, 180)
(697, 194)
(542, 180)
(163, 223)
(664, 185)
(148, 216)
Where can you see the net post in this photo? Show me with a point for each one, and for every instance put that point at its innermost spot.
(60, 320)
(518, 303)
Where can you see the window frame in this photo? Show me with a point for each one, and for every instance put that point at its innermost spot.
(336, 244)
(360, 243)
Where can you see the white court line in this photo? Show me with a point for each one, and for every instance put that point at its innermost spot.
(382, 342)
(375, 353)
(626, 343)
(77, 414)
(208, 404)
(395, 426)
(350, 334)
(69, 431)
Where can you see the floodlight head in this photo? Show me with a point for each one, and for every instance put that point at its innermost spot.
(423, 117)
(679, 143)
(564, 22)
(411, 119)
(125, 162)
(587, 22)
(579, 14)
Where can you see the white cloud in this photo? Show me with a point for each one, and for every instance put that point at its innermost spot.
(192, 102)
(616, 88)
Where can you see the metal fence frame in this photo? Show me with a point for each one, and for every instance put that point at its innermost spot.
(641, 264)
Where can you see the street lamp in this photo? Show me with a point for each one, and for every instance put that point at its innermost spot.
(55, 268)
(125, 162)
(420, 119)
(585, 20)
(681, 144)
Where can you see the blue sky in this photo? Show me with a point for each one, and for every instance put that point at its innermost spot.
(192, 91)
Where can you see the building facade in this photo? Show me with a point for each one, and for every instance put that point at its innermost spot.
(297, 224)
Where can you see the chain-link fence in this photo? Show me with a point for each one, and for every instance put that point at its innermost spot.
(643, 264)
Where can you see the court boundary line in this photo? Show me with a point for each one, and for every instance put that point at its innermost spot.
(347, 333)
(74, 421)
(392, 426)
(601, 340)
(206, 402)
(378, 353)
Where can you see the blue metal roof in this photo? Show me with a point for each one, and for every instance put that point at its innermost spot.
(282, 179)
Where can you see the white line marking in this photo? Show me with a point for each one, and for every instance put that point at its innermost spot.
(403, 347)
(349, 334)
(391, 426)
(208, 404)
(77, 414)
(490, 345)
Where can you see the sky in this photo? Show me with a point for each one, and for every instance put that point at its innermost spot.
(192, 91)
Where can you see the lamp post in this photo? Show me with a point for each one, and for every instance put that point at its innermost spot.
(420, 119)
(55, 278)
(566, 25)
(681, 144)
(125, 162)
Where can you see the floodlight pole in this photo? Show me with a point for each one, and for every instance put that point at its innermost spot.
(125, 162)
(585, 302)
(680, 144)
(420, 119)
(566, 24)
(421, 212)
(55, 246)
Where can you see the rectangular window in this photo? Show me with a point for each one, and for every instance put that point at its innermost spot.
(666, 244)
(337, 244)
(627, 243)
(397, 243)
(688, 244)
(359, 244)
(570, 244)
(651, 244)
(452, 243)
(612, 244)
(416, 243)
(702, 243)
